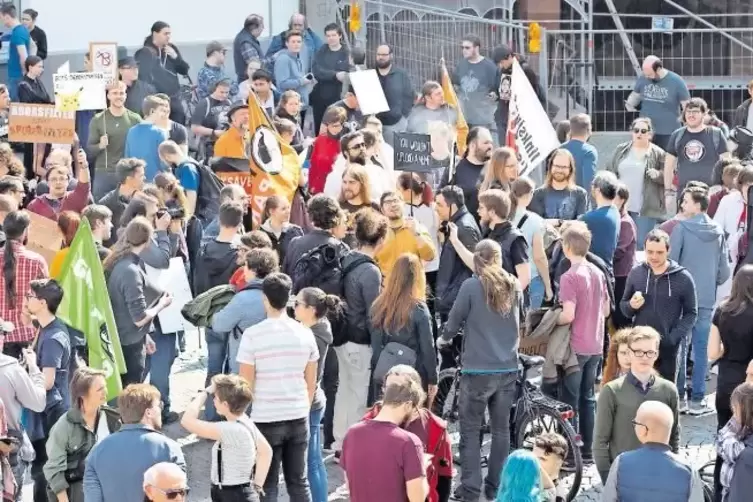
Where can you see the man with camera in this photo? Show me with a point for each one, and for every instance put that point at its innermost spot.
(451, 209)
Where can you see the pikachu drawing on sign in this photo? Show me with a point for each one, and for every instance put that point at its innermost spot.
(69, 101)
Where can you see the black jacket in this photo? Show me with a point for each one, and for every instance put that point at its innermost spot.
(742, 479)
(33, 91)
(160, 70)
(282, 243)
(302, 245)
(505, 235)
(216, 264)
(40, 38)
(398, 90)
(325, 66)
(135, 96)
(452, 271)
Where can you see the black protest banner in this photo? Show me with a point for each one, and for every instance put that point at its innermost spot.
(413, 152)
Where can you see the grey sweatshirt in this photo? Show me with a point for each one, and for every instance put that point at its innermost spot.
(420, 117)
(491, 339)
(698, 244)
(19, 390)
(323, 335)
(474, 82)
(128, 287)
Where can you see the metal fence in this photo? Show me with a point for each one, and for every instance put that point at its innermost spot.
(581, 69)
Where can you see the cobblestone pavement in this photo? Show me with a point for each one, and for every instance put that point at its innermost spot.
(188, 378)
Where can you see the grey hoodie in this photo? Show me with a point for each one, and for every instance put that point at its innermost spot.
(289, 75)
(19, 390)
(323, 335)
(698, 244)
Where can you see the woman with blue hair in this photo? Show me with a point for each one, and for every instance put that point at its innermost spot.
(521, 479)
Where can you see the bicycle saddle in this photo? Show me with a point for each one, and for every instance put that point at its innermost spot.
(529, 362)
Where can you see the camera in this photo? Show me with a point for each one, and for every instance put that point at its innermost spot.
(444, 228)
(176, 213)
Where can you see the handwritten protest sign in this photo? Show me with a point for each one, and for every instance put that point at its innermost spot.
(174, 280)
(413, 152)
(40, 124)
(44, 237)
(80, 91)
(104, 58)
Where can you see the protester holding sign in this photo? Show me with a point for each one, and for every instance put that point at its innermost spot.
(60, 199)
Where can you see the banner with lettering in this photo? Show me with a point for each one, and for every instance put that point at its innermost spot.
(272, 167)
(529, 130)
(28, 123)
(86, 307)
(80, 91)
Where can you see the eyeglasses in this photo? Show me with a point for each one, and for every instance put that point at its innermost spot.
(640, 131)
(173, 493)
(556, 166)
(644, 353)
(390, 202)
(31, 296)
(358, 146)
(638, 424)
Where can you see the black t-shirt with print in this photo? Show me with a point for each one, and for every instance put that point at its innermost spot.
(696, 153)
(211, 113)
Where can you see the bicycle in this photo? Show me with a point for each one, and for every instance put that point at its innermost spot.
(706, 473)
(532, 414)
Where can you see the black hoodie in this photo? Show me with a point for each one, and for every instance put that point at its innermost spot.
(670, 301)
(216, 264)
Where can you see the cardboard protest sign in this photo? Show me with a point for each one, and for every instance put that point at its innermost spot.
(369, 92)
(80, 91)
(172, 279)
(104, 58)
(529, 130)
(30, 123)
(45, 237)
(412, 152)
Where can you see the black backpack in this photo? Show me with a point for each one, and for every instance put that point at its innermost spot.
(208, 195)
(322, 267)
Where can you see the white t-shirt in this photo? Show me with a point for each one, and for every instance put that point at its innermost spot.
(533, 225)
(632, 171)
(279, 348)
(238, 443)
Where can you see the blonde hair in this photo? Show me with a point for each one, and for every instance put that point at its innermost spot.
(577, 238)
(495, 169)
(565, 153)
(500, 287)
(361, 175)
(404, 290)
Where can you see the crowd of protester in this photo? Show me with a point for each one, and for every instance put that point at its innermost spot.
(327, 325)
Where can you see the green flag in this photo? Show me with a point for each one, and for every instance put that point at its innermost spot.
(86, 307)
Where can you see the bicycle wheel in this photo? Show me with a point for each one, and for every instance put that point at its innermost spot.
(540, 419)
(444, 401)
(706, 473)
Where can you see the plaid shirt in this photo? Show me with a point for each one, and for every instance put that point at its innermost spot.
(29, 266)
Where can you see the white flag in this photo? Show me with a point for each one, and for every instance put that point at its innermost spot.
(528, 123)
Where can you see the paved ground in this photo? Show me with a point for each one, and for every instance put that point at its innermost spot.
(188, 378)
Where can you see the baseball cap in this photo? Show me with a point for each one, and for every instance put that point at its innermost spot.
(501, 53)
(128, 62)
(238, 105)
(215, 46)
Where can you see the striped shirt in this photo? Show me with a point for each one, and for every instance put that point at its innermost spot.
(279, 349)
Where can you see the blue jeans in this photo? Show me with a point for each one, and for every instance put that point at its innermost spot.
(216, 359)
(578, 391)
(233, 344)
(536, 292)
(317, 471)
(13, 87)
(158, 364)
(477, 392)
(700, 343)
(643, 224)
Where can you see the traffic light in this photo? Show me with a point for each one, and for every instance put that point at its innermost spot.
(354, 21)
(534, 38)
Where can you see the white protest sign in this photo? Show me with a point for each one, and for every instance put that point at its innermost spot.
(80, 91)
(369, 92)
(104, 58)
(172, 280)
(64, 69)
(528, 123)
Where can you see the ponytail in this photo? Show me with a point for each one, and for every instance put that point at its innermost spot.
(323, 304)
(118, 251)
(500, 287)
(9, 273)
(15, 226)
(421, 189)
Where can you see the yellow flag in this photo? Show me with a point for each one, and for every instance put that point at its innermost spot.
(461, 126)
(273, 165)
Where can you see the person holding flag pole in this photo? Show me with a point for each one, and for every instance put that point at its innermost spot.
(86, 307)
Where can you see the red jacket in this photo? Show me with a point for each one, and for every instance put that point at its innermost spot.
(324, 151)
(438, 444)
(75, 200)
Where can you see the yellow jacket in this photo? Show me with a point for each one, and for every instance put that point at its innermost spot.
(402, 240)
(56, 266)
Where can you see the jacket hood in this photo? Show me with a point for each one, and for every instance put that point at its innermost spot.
(219, 257)
(673, 268)
(7, 361)
(702, 227)
(286, 52)
(323, 331)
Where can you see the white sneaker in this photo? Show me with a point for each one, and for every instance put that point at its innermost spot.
(683, 407)
(700, 408)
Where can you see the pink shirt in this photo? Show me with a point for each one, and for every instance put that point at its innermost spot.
(585, 286)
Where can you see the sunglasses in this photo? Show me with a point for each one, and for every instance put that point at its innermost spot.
(174, 493)
(640, 131)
